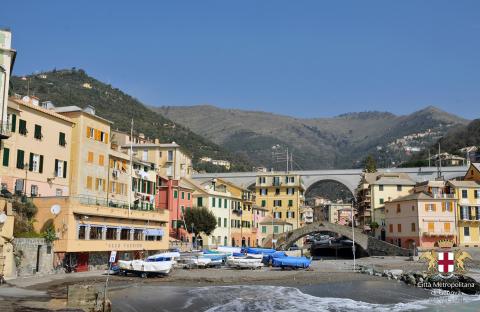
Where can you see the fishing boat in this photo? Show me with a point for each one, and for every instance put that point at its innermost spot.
(194, 261)
(159, 264)
(291, 262)
(245, 262)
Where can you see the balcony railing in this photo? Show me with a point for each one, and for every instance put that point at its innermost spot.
(114, 203)
(5, 130)
(446, 196)
(439, 233)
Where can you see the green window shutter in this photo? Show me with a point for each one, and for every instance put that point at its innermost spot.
(200, 202)
(188, 196)
(64, 169)
(219, 203)
(183, 195)
(264, 229)
(30, 162)
(6, 156)
(56, 167)
(40, 169)
(14, 122)
(264, 203)
(20, 159)
(175, 194)
(225, 203)
(22, 127)
(61, 139)
(38, 132)
(213, 201)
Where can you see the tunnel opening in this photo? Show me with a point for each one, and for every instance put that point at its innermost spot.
(330, 245)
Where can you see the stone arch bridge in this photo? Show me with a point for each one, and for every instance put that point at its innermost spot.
(371, 245)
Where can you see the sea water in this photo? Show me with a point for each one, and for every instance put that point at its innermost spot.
(263, 298)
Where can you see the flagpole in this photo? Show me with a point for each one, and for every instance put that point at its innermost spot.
(131, 169)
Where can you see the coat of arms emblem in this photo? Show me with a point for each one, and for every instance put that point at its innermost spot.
(446, 261)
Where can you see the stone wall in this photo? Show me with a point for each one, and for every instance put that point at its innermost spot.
(380, 248)
(33, 254)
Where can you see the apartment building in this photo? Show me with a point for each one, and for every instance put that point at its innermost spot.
(170, 160)
(422, 218)
(36, 158)
(473, 172)
(144, 185)
(7, 59)
(176, 196)
(272, 227)
(98, 217)
(259, 215)
(219, 201)
(282, 194)
(468, 211)
(373, 191)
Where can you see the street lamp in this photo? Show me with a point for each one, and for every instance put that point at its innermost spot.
(194, 239)
(353, 233)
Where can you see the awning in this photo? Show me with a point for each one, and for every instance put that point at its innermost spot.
(154, 232)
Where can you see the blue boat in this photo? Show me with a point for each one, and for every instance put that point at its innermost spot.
(291, 262)
(260, 251)
(267, 258)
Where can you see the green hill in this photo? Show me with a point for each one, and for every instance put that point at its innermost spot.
(66, 87)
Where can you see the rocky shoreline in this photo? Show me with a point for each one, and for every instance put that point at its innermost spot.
(455, 283)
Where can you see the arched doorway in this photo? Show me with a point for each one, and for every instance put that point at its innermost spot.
(243, 241)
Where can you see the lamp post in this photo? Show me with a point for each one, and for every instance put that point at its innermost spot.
(353, 233)
(194, 239)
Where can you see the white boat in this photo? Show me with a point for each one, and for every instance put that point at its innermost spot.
(153, 265)
(229, 250)
(195, 261)
(244, 262)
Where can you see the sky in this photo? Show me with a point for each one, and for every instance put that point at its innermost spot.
(300, 58)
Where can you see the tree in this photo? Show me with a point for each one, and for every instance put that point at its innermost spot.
(200, 220)
(370, 164)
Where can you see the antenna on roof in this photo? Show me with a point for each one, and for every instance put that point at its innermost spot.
(439, 164)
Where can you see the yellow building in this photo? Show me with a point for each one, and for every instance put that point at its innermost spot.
(376, 189)
(241, 222)
(96, 218)
(468, 211)
(36, 158)
(7, 264)
(282, 193)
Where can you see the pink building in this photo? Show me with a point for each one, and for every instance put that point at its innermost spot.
(423, 217)
(259, 214)
(176, 196)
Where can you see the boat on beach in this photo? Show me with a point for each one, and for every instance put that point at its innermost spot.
(245, 262)
(291, 262)
(159, 264)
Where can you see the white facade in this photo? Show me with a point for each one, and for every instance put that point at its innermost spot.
(6, 63)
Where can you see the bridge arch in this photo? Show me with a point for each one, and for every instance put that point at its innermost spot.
(371, 245)
(314, 189)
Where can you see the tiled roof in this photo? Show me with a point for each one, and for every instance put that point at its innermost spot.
(41, 109)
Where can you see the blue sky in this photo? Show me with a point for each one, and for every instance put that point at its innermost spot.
(301, 58)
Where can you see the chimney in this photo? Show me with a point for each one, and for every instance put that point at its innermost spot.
(157, 141)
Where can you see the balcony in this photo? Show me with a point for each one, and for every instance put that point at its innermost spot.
(444, 196)
(5, 130)
(439, 233)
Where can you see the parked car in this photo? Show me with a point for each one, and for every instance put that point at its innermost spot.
(294, 247)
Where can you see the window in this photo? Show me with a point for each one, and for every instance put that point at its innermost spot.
(475, 193)
(264, 203)
(398, 208)
(390, 228)
(225, 222)
(38, 132)
(219, 222)
(100, 184)
(125, 234)
(446, 227)
(225, 203)
(275, 229)
(465, 212)
(82, 232)
(34, 190)
(36, 163)
(170, 155)
(464, 194)
(261, 180)
(137, 234)
(219, 203)
(145, 155)
(111, 233)
(263, 191)
(399, 188)
(213, 201)
(89, 182)
(22, 127)
(290, 214)
(90, 157)
(101, 160)
(290, 203)
(60, 168)
(447, 206)
(430, 207)
(6, 156)
(199, 201)
(290, 179)
(413, 227)
(277, 203)
(188, 196)
(399, 228)
(277, 191)
(277, 215)
(276, 181)
(20, 159)
(431, 227)
(466, 231)
(96, 232)
(61, 139)
(183, 195)
(14, 122)
(380, 187)
(381, 201)
(175, 194)
(290, 191)
(58, 192)
(90, 132)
